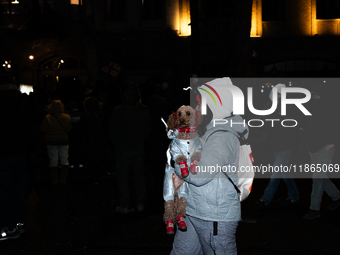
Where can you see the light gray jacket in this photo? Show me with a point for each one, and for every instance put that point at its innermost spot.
(212, 196)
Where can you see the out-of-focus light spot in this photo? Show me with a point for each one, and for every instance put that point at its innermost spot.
(9, 66)
(4, 65)
(324, 81)
(261, 90)
(76, 2)
(62, 61)
(262, 86)
(6, 62)
(57, 78)
(15, 2)
(26, 88)
(31, 57)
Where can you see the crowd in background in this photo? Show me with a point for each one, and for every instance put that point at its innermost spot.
(74, 129)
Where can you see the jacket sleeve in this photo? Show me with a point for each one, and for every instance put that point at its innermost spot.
(218, 151)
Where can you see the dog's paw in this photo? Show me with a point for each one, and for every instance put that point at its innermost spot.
(196, 155)
(181, 158)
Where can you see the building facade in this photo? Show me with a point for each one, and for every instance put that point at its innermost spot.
(49, 42)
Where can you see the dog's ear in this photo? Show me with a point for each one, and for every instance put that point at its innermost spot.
(199, 119)
(171, 121)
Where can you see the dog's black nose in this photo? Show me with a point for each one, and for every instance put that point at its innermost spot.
(182, 121)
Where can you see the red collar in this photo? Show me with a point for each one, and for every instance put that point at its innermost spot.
(188, 129)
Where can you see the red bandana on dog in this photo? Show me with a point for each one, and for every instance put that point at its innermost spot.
(188, 129)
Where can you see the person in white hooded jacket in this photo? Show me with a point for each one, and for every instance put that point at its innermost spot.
(213, 206)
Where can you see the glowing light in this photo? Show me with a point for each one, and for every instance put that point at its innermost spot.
(15, 2)
(3, 65)
(184, 19)
(76, 2)
(26, 88)
(31, 57)
(6, 62)
(57, 78)
(324, 81)
(256, 19)
(261, 90)
(9, 66)
(62, 61)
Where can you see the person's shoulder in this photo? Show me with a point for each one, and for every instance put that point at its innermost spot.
(216, 131)
(65, 115)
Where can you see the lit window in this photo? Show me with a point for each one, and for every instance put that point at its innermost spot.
(76, 2)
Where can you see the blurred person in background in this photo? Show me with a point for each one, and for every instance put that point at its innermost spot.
(92, 139)
(74, 140)
(322, 130)
(281, 141)
(129, 127)
(56, 125)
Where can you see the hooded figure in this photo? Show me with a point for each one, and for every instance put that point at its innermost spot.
(213, 206)
(56, 125)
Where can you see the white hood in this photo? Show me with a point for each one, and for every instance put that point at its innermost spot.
(219, 110)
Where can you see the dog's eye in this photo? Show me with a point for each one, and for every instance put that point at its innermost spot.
(180, 114)
(188, 113)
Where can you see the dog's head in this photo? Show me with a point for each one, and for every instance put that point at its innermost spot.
(184, 117)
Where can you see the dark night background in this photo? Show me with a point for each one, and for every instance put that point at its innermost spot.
(160, 45)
